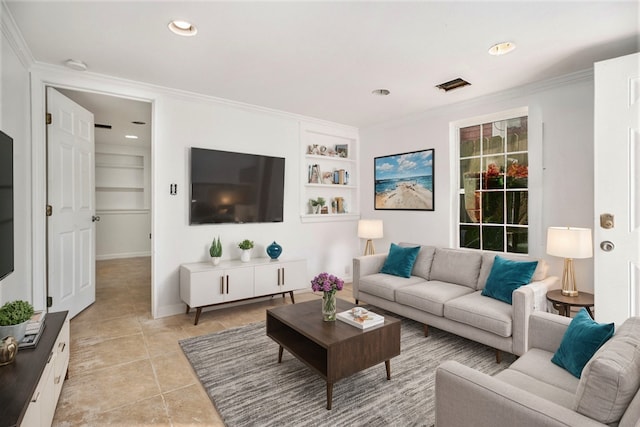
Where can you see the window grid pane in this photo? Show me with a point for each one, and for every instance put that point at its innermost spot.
(493, 186)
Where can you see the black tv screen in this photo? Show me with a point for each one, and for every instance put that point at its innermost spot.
(228, 187)
(6, 205)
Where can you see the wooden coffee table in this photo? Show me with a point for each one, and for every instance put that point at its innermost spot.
(334, 350)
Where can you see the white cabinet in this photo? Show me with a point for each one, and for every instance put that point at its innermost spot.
(202, 284)
(61, 362)
(330, 171)
(52, 356)
(281, 277)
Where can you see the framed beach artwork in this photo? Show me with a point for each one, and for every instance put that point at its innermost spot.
(404, 181)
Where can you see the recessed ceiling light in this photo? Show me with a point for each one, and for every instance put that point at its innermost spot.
(381, 92)
(182, 28)
(501, 48)
(75, 64)
(131, 137)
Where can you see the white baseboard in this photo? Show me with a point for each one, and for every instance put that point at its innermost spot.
(122, 255)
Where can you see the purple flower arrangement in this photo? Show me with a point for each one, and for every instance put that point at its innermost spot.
(326, 282)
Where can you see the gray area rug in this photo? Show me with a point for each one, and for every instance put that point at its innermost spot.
(239, 370)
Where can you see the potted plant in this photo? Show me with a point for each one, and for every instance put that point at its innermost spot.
(216, 251)
(246, 245)
(317, 204)
(14, 316)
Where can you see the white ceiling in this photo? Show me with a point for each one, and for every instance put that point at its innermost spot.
(323, 59)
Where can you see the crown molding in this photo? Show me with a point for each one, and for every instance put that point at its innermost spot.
(57, 75)
(501, 96)
(14, 36)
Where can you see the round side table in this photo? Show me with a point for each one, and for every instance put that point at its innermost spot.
(563, 303)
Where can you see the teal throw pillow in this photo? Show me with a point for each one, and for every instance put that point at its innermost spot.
(506, 276)
(400, 261)
(581, 340)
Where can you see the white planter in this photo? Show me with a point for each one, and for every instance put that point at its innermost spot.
(16, 331)
(215, 260)
(245, 256)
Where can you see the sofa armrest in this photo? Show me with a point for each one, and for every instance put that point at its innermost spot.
(546, 330)
(364, 266)
(466, 397)
(524, 303)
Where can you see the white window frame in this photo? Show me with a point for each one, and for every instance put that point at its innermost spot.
(535, 133)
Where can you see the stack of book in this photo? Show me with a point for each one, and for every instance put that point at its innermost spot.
(34, 330)
(360, 318)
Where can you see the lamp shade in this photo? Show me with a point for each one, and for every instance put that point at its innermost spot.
(370, 229)
(569, 242)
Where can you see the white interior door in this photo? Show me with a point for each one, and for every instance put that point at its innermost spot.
(617, 188)
(70, 193)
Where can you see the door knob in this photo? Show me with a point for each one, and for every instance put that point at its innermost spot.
(95, 218)
(607, 246)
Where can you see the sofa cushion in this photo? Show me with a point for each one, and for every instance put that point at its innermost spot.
(537, 387)
(422, 266)
(456, 266)
(536, 363)
(400, 261)
(384, 285)
(430, 296)
(481, 312)
(506, 276)
(580, 341)
(487, 265)
(611, 379)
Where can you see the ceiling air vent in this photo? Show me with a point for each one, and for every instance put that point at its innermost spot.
(99, 126)
(453, 84)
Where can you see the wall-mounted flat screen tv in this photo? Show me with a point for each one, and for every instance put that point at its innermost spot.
(6, 205)
(228, 187)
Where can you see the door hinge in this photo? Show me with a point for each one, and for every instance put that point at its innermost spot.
(49, 302)
(48, 118)
(49, 210)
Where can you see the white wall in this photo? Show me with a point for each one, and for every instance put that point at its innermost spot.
(181, 120)
(184, 123)
(15, 122)
(560, 173)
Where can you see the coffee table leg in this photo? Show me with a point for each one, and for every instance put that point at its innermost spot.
(280, 354)
(387, 364)
(329, 395)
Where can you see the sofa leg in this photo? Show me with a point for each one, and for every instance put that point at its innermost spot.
(356, 301)
(498, 356)
(426, 330)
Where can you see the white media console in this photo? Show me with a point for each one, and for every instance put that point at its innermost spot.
(203, 284)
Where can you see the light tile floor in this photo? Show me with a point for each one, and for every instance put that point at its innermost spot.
(127, 369)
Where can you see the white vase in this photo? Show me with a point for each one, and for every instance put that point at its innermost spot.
(215, 260)
(16, 331)
(245, 256)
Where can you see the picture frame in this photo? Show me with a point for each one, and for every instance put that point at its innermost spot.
(342, 150)
(404, 181)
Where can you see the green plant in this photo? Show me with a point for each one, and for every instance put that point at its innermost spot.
(319, 201)
(216, 248)
(15, 312)
(245, 244)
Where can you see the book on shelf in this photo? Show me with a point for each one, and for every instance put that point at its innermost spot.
(34, 330)
(364, 319)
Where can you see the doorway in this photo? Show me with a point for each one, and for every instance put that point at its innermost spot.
(122, 175)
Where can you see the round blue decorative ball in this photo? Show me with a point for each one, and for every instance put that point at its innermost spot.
(274, 250)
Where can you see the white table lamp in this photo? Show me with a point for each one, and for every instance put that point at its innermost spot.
(569, 243)
(370, 229)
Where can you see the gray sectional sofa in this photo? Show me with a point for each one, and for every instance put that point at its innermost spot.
(534, 392)
(444, 291)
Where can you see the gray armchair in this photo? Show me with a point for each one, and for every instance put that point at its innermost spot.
(535, 392)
